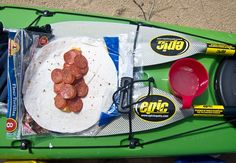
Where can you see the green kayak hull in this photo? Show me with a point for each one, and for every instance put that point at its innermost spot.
(210, 141)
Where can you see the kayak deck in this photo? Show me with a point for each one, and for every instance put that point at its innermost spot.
(210, 141)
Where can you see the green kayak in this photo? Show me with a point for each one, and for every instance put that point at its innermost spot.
(190, 136)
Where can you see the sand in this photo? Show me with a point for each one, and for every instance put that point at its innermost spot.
(212, 14)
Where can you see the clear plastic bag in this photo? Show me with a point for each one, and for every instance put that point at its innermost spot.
(31, 64)
(22, 46)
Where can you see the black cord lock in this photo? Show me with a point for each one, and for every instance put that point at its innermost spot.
(45, 13)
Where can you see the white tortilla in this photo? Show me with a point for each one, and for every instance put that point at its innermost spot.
(38, 92)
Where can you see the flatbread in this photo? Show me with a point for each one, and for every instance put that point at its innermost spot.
(38, 95)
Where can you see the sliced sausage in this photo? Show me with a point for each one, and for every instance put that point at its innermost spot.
(75, 104)
(81, 62)
(84, 71)
(66, 66)
(82, 91)
(57, 75)
(76, 71)
(68, 91)
(70, 55)
(68, 78)
(79, 76)
(77, 81)
(60, 102)
(81, 88)
(57, 87)
(69, 84)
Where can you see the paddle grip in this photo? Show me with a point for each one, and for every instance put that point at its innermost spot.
(214, 111)
(125, 95)
(221, 49)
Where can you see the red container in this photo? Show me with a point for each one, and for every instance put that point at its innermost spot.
(188, 79)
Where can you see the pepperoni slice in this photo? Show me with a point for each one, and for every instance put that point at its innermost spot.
(68, 91)
(69, 84)
(66, 66)
(70, 55)
(75, 104)
(60, 103)
(81, 62)
(57, 75)
(84, 71)
(82, 91)
(79, 76)
(57, 87)
(79, 81)
(81, 88)
(76, 71)
(68, 78)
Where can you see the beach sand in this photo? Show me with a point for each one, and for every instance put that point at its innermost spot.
(212, 14)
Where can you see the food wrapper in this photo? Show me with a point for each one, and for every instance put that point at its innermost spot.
(32, 58)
